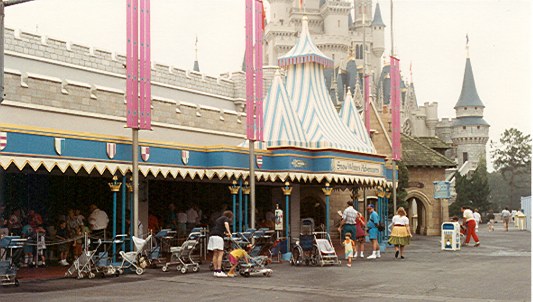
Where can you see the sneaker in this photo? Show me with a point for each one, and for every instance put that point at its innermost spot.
(349, 265)
(396, 254)
(63, 262)
(477, 244)
(215, 274)
(373, 256)
(378, 255)
(231, 275)
(402, 257)
(362, 255)
(222, 275)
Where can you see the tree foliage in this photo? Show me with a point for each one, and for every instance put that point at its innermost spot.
(511, 158)
(403, 180)
(472, 190)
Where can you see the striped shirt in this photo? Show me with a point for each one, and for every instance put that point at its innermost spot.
(349, 215)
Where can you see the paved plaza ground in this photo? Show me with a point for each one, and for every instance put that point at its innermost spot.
(498, 270)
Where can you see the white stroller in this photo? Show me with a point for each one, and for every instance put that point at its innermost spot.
(132, 259)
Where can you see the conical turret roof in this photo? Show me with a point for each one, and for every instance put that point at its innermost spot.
(305, 50)
(378, 21)
(469, 96)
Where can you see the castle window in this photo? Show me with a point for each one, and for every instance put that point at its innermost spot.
(281, 21)
(333, 56)
(465, 157)
(465, 108)
(464, 127)
(475, 108)
(478, 127)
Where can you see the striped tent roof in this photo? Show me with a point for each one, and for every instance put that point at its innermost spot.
(304, 51)
(282, 125)
(351, 117)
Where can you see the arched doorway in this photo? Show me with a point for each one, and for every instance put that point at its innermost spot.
(311, 207)
(418, 211)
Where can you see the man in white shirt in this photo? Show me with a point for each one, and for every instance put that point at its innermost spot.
(506, 216)
(470, 223)
(98, 220)
(348, 220)
(192, 218)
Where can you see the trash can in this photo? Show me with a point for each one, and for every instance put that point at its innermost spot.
(520, 221)
(450, 236)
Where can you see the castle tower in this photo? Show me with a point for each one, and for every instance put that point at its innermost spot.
(363, 11)
(378, 37)
(470, 132)
(196, 66)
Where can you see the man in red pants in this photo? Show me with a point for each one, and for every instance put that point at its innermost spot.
(470, 223)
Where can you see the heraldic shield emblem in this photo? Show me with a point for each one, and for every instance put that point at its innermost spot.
(111, 149)
(145, 153)
(59, 145)
(3, 140)
(259, 161)
(185, 157)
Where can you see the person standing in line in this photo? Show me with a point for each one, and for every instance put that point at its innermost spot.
(470, 223)
(477, 218)
(216, 241)
(347, 224)
(506, 215)
(98, 221)
(401, 232)
(373, 232)
(360, 235)
(182, 223)
(192, 218)
(170, 218)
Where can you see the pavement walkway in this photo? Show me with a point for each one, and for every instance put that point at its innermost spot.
(498, 270)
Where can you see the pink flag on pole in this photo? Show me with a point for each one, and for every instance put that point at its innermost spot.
(135, 61)
(367, 102)
(145, 103)
(131, 102)
(395, 107)
(249, 61)
(259, 70)
(142, 65)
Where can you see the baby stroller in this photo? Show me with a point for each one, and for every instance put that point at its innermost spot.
(132, 259)
(182, 255)
(304, 249)
(255, 267)
(85, 264)
(326, 252)
(12, 252)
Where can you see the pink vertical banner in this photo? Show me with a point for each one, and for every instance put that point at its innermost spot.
(131, 107)
(395, 107)
(147, 71)
(145, 67)
(135, 61)
(259, 70)
(249, 61)
(142, 66)
(367, 102)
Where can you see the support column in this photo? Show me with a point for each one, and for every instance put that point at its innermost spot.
(246, 192)
(327, 191)
(240, 205)
(115, 187)
(130, 190)
(287, 190)
(234, 190)
(123, 209)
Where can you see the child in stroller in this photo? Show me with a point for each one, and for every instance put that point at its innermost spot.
(248, 266)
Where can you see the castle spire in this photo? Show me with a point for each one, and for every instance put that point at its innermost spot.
(378, 21)
(196, 66)
(469, 96)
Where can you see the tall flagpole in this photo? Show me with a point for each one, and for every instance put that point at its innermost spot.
(392, 54)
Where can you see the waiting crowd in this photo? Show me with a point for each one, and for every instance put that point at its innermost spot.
(64, 236)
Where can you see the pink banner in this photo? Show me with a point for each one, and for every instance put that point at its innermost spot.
(367, 102)
(249, 61)
(131, 104)
(145, 65)
(135, 61)
(395, 107)
(259, 70)
(142, 66)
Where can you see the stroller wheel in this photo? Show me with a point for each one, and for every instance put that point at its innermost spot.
(17, 284)
(195, 269)
(91, 275)
(120, 271)
(139, 271)
(183, 270)
(246, 274)
(164, 268)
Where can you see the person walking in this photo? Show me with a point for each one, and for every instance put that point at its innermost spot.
(360, 235)
(349, 246)
(373, 232)
(477, 218)
(470, 223)
(216, 241)
(347, 224)
(401, 232)
(506, 216)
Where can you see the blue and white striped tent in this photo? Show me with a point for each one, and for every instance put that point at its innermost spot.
(311, 101)
(282, 126)
(351, 117)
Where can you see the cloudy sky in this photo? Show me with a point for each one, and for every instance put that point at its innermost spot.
(429, 34)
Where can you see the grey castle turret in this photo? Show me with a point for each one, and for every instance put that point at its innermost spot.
(470, 132)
